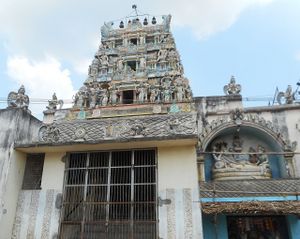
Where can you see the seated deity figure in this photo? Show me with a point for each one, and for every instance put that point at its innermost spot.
(232, 165)
(52, 103)
(18, 99)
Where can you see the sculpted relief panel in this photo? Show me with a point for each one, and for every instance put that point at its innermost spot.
(181, 124)
(234, 159)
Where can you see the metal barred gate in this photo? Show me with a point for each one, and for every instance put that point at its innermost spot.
(110, 195)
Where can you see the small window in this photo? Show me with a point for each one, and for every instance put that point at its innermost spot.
(132, 65)
(128, 97)
(118, 42)
(33, 172)
(133, 41)
(150, 39)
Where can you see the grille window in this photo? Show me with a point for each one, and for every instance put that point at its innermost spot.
(110, 195)
(33, 172)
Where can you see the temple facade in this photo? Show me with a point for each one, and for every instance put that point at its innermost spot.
(137, 156)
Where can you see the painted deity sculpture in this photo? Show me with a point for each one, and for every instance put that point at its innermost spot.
(54, 102)
(142, 93)
(18, 99)
(232, 164)
(232, 88)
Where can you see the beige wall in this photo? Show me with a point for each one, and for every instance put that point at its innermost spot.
(53, 171)
(13, 186)
(179, 213)
(177, 167)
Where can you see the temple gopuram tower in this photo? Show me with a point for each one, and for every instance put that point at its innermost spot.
(136, 64)
(128, 144)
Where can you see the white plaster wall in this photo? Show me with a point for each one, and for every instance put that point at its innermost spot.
(177, 167)
(178, 182)
(36, 215)
(10, 199)
(53, 171)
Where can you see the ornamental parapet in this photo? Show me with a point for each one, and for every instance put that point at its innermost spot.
(154, 127)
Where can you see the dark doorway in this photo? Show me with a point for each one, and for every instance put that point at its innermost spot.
(128, 97)
(132, 65)
(257, 227)
(133, 41)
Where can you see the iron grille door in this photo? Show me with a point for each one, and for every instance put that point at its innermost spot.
(110, 195)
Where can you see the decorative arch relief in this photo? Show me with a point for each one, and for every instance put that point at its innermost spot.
(238, 118)
(234, 149)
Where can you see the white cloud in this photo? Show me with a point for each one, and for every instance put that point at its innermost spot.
(41, 79)
(68, 29)
(82, 66)
(206, 18)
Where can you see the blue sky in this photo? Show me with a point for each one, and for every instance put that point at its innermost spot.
(48, 45)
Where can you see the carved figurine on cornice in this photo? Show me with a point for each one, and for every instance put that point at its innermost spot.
(104, 45)
(173, 55)
(189, 94)
(81, 98)
(104, 97)
(166, 22)
(167, 39)
(106, 28)
(142, 93)
(166, 81)
(104, 60)
(173, 124)
(142, 65)
(93, 97)
(137, 129)
(120, 65)
(18, 99)
(179, 89)
(167, 94)
(153, 94)
(94, 68)
(114, 95)
(49, 133)
(232, 88)
(237, 116)
(54, 102)
(162, 55)
(288, 95)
